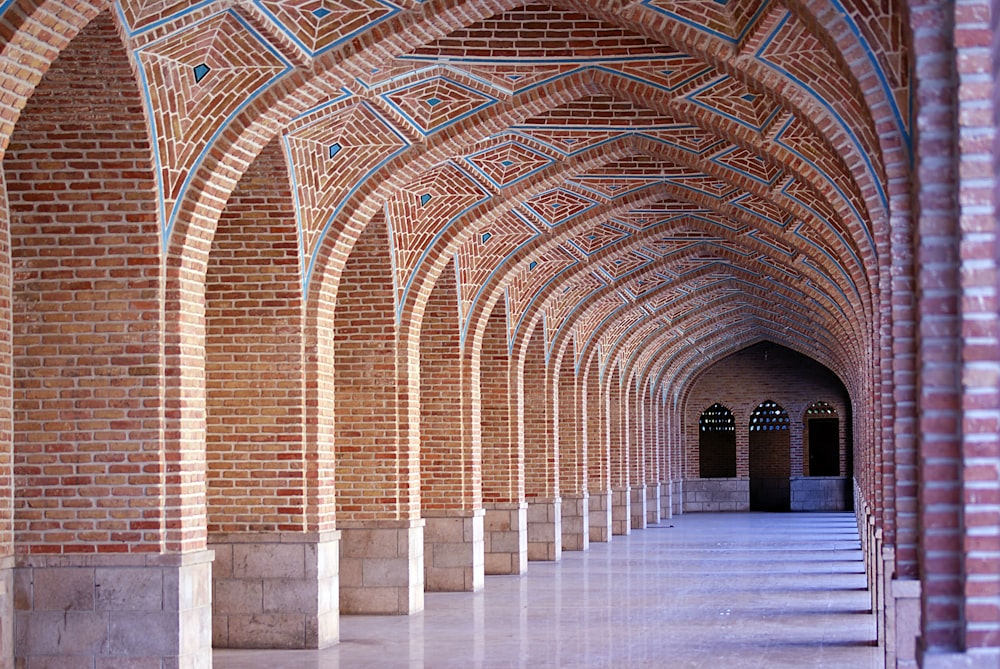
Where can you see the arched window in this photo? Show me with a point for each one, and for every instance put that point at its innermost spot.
(822, 430)
(717, 443)
(768, 416)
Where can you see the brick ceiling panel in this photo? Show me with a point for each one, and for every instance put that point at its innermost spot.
(583, 160)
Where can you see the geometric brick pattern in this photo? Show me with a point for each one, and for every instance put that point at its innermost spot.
(330, 153)
(196, 81)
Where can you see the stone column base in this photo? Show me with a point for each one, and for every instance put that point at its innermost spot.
(976, 658)
(505, 540)
(600, 516)
(545, 529)
(118, 610)
(7, 611)
(576, 522)
(676, 498)
(903, 623)
(454, 559)
(621, 512)
(382, 567)
(653, 509)
(666, 500)
(278, 590)
(637, 508)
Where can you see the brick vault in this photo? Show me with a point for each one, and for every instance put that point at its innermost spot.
(336, 302)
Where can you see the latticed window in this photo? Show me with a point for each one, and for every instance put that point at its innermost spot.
(717, 418)
(768, 416)
(820, 410)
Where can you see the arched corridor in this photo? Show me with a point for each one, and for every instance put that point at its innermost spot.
(312, 309)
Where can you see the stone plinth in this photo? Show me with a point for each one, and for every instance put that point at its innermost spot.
(382, 567)
(505, 538)
(821, 493)
(637, 508)
(544, 529)
(666, 500)
(279, 590)
(709, 495)
(127, 610)
(454, 558)
(600, 516)
(621, 511)
(653, 508)
(575, 522)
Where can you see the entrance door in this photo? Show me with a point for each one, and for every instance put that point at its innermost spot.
(770, 459)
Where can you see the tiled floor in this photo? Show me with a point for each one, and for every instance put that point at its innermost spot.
(713, 591)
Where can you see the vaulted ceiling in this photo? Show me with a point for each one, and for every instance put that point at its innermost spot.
(661, 182)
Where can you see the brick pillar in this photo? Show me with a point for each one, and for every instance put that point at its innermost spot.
(536, 424)
(450, 447)
(112, 566)
(652, 445)
(506, 520)
(635, 447)
(276, 576)
(376, 442)
(598, 454)
(621, 498)
(572, 456)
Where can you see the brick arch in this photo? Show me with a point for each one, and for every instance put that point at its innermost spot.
(86, 305)
(29, 57)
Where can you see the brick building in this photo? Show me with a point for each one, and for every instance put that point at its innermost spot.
(342, 302)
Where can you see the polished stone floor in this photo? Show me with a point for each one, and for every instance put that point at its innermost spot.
(712, 591)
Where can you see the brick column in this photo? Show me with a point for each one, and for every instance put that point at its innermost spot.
(506, 513)
(598, 454)
(450, 446)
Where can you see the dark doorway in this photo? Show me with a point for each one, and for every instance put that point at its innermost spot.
(770, 459)
(824, 447)
(717, 443)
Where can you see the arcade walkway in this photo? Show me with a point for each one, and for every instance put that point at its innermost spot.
(729, 591)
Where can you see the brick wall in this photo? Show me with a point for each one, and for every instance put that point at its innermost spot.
(569, 428)
(597, 441)
(743, 380)
(256, 473)
(366, 434)
(86, 300)
(503, 461)
(450, 462)
(541, 460)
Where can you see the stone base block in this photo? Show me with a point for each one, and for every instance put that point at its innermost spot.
(677, 498)
(545, 529)
(709, 495)
(575, 522)
(278, 590)
(821, 493)
(454, 558)
(6, 612)
(637, 508)
(505, 538)
(666, 500)
(114, 611)
(903, 623)
(600, 516)
(621, 511)
(653, 509)
(976, 658)
(382, 567)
